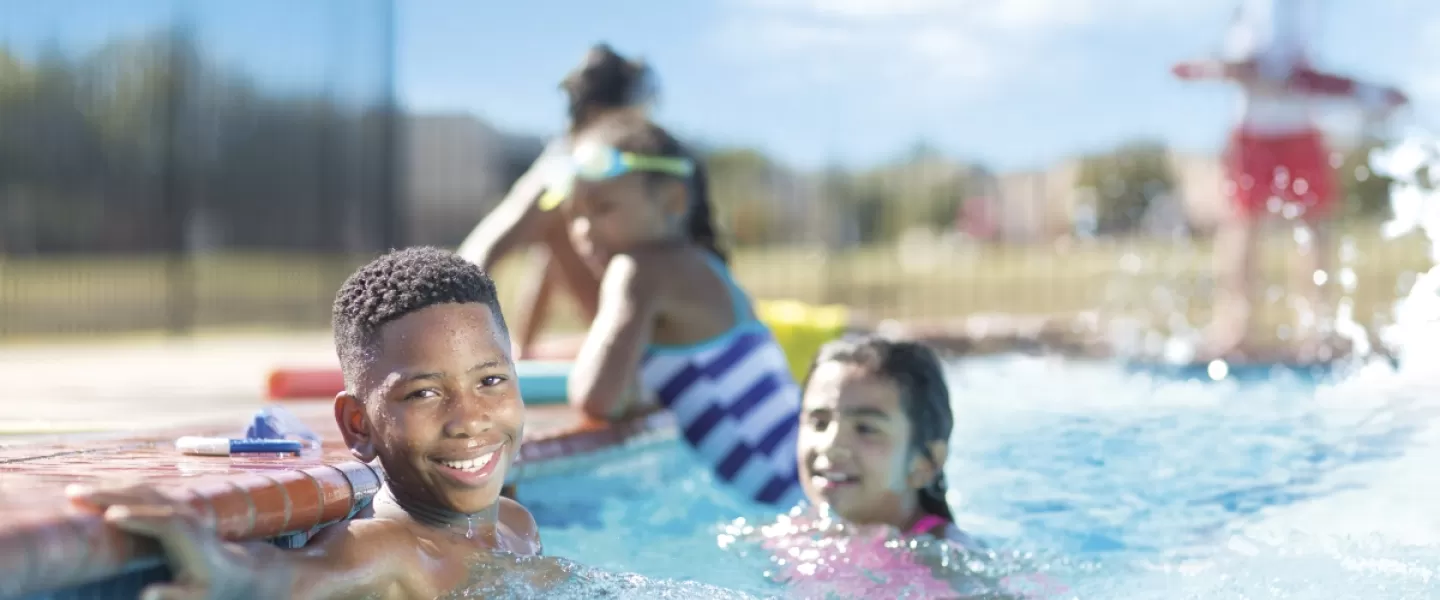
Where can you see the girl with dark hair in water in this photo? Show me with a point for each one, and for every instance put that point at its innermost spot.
(874, 434)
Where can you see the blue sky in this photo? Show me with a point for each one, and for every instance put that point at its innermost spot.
(1014, 84)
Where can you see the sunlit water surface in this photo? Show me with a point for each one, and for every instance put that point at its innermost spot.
(1086, 480)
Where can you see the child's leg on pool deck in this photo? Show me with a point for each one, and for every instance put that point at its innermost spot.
(1313, 280)
(1314, 275)
(1255, 165)
(1236, 245)
(1301, 185)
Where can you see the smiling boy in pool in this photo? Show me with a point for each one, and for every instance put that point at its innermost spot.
(431, 392)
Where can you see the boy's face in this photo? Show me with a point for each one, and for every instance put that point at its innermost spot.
(442, 407)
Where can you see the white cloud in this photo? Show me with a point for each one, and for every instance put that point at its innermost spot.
(951, 47)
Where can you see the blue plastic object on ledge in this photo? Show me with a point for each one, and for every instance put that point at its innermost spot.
(277, 423)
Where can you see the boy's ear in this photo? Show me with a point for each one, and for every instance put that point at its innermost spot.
(354, 426)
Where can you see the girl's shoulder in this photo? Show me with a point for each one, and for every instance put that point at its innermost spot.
(667, 263)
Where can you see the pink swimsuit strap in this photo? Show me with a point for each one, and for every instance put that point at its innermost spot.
(926, 523)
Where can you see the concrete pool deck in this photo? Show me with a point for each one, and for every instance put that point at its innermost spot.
(64, 387)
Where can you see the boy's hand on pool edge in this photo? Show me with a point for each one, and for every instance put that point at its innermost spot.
(204, 566)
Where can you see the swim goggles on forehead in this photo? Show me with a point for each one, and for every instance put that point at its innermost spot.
(596, 162)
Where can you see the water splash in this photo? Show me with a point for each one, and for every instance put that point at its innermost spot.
(816, 555)
(1412, 164)
(523, 577)
(1281, 566)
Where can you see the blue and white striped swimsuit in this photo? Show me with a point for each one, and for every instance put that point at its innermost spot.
(735, 402)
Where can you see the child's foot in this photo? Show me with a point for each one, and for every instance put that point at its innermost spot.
(1223, 341)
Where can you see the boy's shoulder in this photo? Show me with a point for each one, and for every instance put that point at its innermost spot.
(364, 533)
(521, 524)
(346, 538)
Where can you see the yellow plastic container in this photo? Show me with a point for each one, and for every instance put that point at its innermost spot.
(801, 329)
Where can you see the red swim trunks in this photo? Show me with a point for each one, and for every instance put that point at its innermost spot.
(1281, 174)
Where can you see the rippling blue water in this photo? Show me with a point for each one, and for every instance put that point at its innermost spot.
(1121, 484)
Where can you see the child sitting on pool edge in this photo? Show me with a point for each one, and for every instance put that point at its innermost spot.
(673, 327)
(431, 391)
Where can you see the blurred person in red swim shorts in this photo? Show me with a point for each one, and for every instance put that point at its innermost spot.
(1277, 161)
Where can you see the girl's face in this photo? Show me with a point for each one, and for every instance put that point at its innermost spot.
(611, 216)
(855, 448)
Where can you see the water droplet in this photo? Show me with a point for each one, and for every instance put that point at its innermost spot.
(1131, 263)
(1303, 237)
(1348, 251)
(1217, 370)
(1348, 279)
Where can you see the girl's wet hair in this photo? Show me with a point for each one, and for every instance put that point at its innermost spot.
(633, 134)
(604, 79)
(924, 396)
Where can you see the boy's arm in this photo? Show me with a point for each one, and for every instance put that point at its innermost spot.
(204, 566)
(601, 380)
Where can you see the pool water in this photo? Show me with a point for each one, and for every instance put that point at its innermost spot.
(1118, 483)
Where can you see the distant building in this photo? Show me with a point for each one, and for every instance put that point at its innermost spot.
(1036, 206)
(457, 168)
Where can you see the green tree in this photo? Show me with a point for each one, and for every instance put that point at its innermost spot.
(95, 143)
(1366, 194)
(742, 189)
(924, 189)
(1124, 182)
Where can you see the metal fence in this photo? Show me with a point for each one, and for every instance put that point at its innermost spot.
(134, 166)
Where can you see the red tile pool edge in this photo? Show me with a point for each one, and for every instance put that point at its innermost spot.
(46, 544)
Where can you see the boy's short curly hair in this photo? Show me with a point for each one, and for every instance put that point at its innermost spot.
(397, 284)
